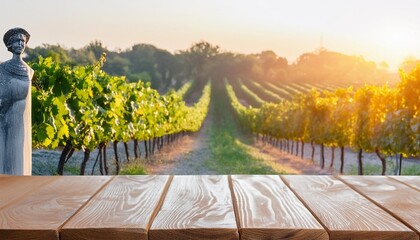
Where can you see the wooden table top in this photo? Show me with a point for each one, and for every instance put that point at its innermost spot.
(209, 207)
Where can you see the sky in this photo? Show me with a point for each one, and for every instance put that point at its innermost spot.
(378, 30)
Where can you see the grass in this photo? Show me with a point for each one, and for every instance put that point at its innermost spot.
(49, 167)
(133, 168)
(411, 170)
(229, 157)
(376, 169)
(72, 169)
(228, 153)
(40, 169)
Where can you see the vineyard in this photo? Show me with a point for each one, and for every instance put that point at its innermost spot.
(82, 108)
(376, 119)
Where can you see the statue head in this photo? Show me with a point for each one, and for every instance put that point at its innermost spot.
(14, 35)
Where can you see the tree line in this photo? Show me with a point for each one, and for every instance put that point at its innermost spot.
(166, 70)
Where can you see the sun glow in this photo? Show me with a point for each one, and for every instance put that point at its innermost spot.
(400, 40)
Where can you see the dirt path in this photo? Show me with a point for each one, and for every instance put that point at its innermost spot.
(186, 156)
(288, 163)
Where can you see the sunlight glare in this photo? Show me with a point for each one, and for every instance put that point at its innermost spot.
(398, 40)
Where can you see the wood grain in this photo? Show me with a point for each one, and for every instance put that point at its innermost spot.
(412, 181)
(122, 210)
(267, 209)
(196, 207)
(345, 213)
(40, 214)
(15, 187)
(400, 200)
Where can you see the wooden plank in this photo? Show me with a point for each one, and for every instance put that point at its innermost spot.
(412, 181)
(398, 199)
(122, 210)
(345, 213)
(267, 209)
(40, 214)
(15, 187)
(196, 207)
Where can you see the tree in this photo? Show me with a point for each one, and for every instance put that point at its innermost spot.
(97, 49)
(168, 66)
(333, 67)
(198, 59)
(273, 68)
(57, 53)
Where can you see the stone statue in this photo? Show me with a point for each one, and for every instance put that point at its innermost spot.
(15, 107)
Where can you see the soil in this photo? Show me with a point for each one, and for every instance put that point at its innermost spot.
(186, 156)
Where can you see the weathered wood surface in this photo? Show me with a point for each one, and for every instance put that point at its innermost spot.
(122, 210)
(209, 207)
(196, 207)
(345, 213)
(15, 187)
(412, 181)
(387, 193)
(40, 214)
(267, 209)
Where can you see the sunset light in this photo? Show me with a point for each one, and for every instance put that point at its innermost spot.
(398, 40)
(378, 30)
(210, 119)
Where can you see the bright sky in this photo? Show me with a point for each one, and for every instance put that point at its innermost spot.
(380, 30)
